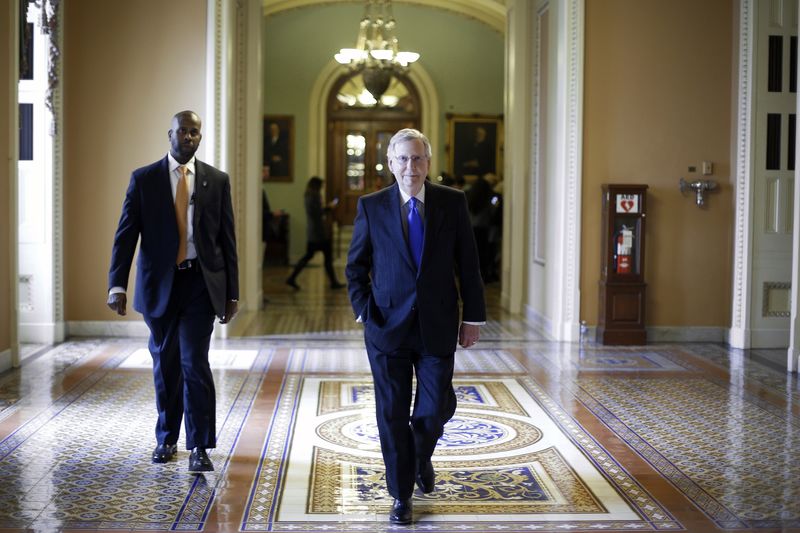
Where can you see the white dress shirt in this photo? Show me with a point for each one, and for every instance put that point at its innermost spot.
(404, 207)
(174, 176)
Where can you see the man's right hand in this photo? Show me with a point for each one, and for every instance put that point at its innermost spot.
(117, 302)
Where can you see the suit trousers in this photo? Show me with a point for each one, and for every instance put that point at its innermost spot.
(179, 342)
(408, 440)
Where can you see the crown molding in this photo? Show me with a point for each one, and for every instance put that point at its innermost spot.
(489, 12)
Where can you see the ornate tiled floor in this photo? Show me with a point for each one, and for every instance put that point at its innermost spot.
(547, 436)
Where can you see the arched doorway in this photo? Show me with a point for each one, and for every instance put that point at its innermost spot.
(358, 132)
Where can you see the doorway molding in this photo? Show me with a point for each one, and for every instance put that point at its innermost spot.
(741, 297)
(317, 111)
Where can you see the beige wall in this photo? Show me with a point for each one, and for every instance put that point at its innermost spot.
(129, 66)
(658, 100)
(7, 77)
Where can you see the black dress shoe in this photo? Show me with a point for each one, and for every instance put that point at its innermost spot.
(199, 461)
(337, 285)
(402, 511)
(293, 284)
(426, 477)
(164, 452)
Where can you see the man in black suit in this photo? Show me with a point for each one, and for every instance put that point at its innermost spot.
(187, 272)
(408, 242)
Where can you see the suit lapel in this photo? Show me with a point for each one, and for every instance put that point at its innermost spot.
(391, 204)
(433, 221)
(200, 187)
(165, 197)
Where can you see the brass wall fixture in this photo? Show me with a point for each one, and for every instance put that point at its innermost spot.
(699, 187)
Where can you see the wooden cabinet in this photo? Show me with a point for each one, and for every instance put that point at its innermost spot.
(622, 286)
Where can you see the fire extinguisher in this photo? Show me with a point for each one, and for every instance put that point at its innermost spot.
(624, 246)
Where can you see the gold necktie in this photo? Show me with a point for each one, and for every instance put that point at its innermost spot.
(181, 213)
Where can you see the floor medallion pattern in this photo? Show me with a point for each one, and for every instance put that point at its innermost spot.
(509, 451)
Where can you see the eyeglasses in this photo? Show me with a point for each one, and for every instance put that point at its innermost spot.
(404, 159)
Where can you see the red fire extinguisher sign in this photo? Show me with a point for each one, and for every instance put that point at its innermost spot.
(624, 248)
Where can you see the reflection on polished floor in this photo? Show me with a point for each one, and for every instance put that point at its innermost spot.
(548, 436)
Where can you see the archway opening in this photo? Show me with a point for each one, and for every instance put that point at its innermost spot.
(358, 132)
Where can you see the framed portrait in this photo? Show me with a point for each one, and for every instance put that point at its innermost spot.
(278, 148)
(474, 145)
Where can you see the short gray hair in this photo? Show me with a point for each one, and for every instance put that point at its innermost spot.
(408, 134)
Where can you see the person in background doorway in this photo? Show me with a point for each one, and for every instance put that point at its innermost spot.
(479, 199)
(318, 231)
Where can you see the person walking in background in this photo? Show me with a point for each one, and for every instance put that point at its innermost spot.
(318, 232)
(492, 273)
(479, 200)
(410, 240)
(266, 226)
(179, 209)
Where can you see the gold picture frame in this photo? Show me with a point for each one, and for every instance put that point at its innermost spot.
(474, 145)
(278, 148)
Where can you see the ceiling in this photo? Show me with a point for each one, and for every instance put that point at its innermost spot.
(490, 12)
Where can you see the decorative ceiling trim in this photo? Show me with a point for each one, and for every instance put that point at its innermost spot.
(490, 12)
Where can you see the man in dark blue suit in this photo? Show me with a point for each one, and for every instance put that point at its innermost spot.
(410, 241)
(186, 273)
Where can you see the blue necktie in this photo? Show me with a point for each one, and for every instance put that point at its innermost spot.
(415, 232)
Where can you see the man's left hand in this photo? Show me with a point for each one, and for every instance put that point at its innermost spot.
(468, 335)
(231, 308)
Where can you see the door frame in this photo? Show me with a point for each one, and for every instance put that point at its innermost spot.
(336, 187)
(318, 120)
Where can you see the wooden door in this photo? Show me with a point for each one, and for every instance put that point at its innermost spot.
(359, 129)
(357, 161)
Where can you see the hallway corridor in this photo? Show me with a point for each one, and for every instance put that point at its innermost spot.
(547, 437)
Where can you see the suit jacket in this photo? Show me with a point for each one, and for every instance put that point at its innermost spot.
(149, 212)
(386, 290)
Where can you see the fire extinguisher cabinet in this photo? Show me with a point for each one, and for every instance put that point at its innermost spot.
(622, 286)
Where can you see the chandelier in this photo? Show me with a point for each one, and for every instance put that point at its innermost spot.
(376, 54)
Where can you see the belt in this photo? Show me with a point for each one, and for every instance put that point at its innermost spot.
(189, 264)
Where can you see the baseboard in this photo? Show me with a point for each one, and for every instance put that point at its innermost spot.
(769, 338)
(738, 338)
(758, 338)
(656, 334)
(792, 359)
(571, 332)
(42, 333)
(540, 322)
(5, 360)
(138, 328)
(107, 328)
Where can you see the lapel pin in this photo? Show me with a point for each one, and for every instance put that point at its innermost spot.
(205, 184)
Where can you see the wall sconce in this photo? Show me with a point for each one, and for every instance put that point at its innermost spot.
(699, 187)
